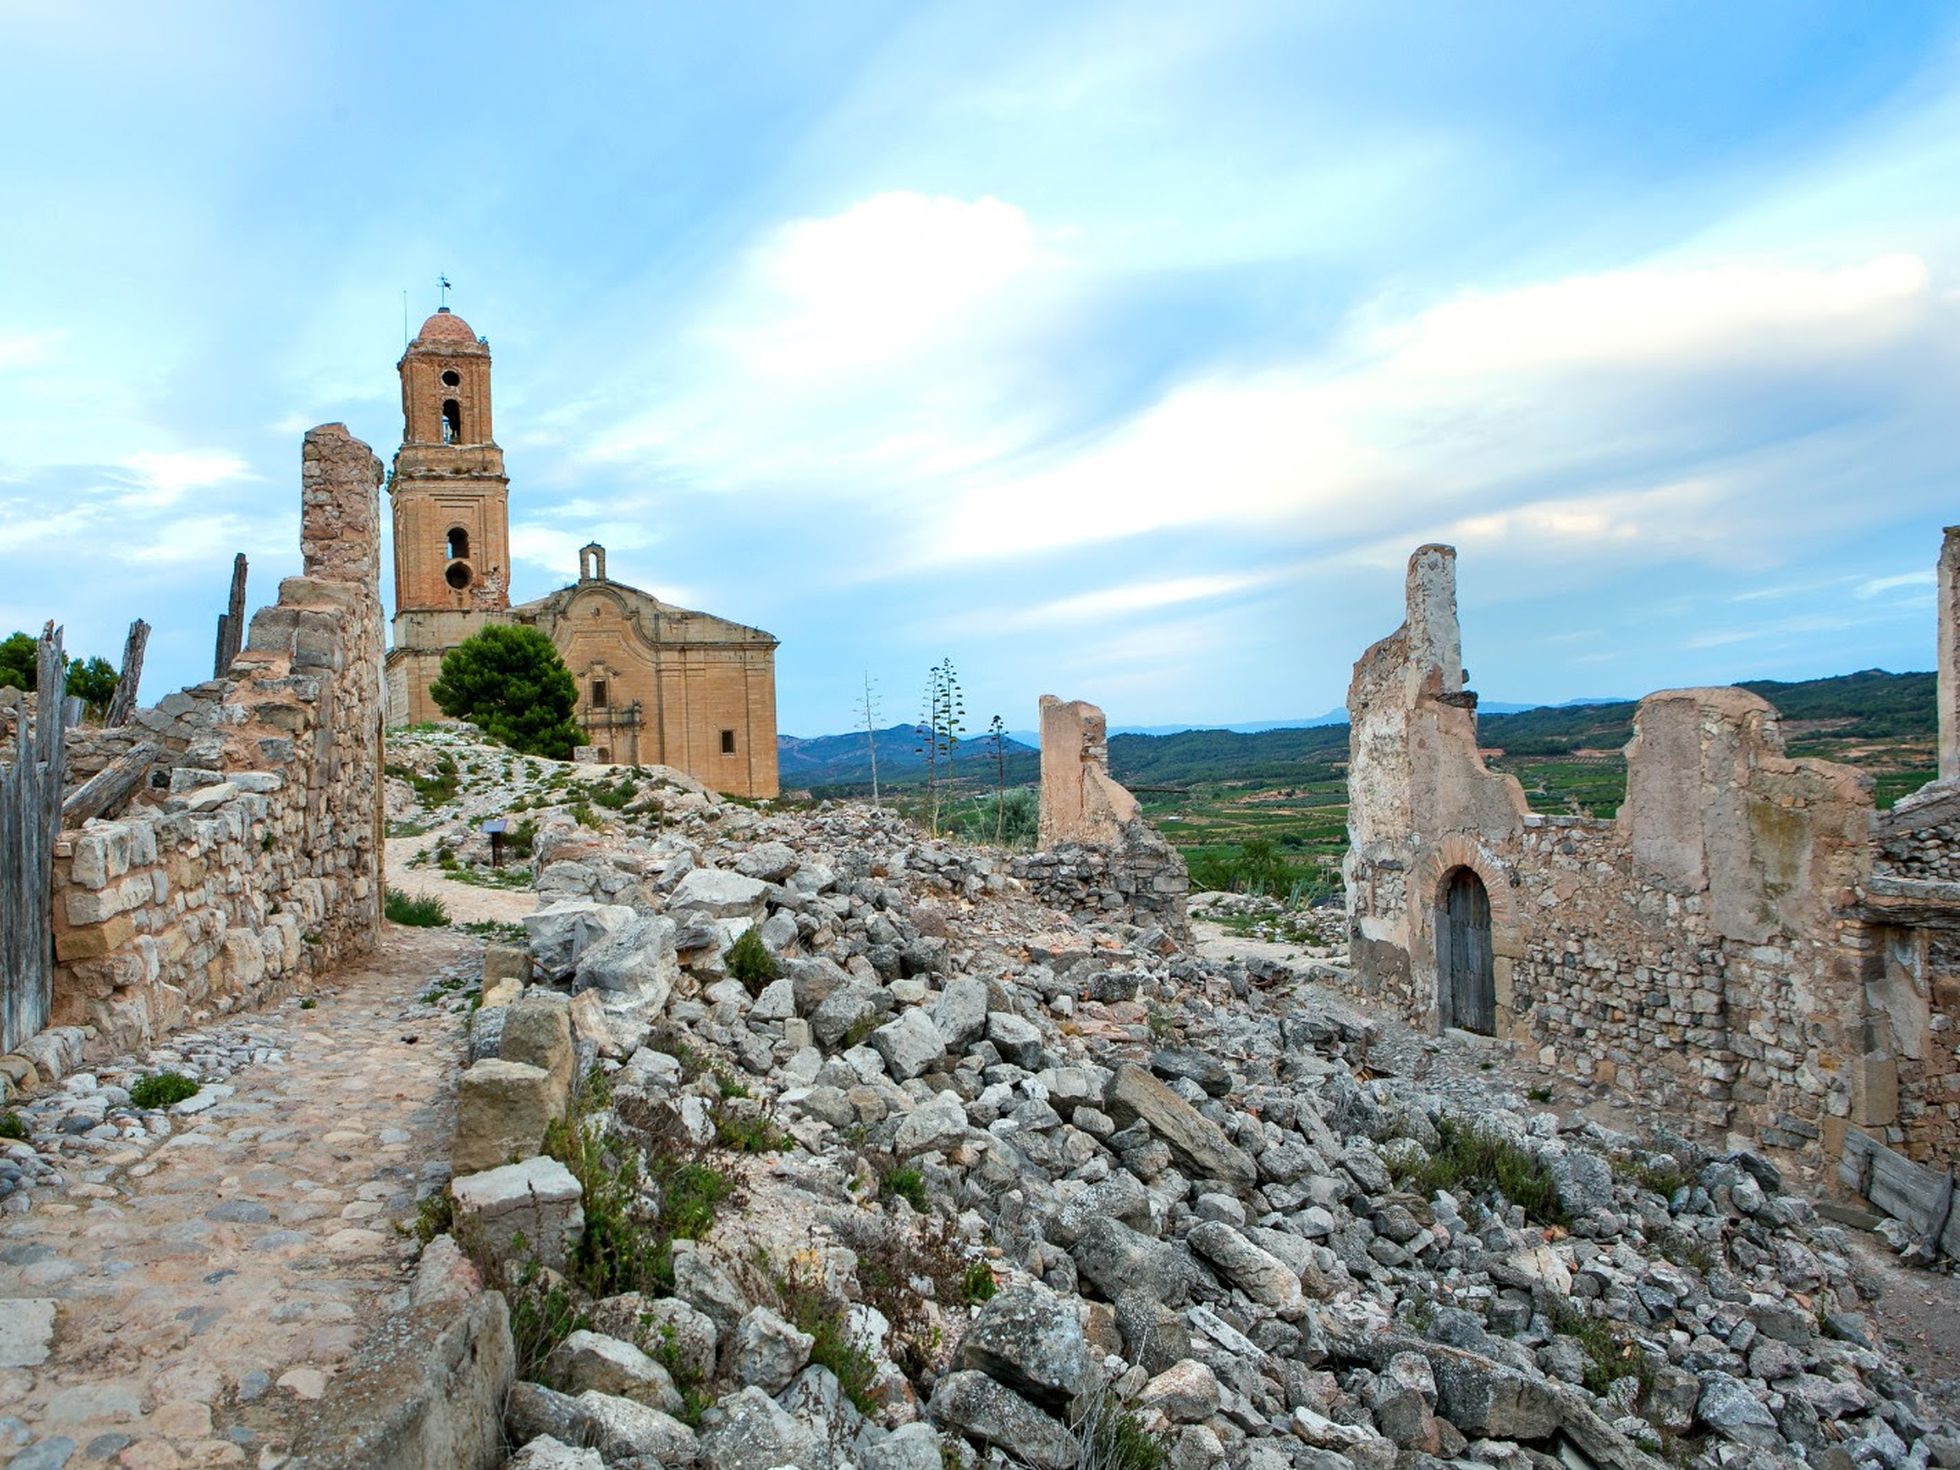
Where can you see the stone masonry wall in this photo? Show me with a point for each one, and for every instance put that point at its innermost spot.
(253, 861)
(1702, 948)
(1143, 877)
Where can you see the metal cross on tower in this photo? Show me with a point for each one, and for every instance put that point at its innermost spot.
(444, 282)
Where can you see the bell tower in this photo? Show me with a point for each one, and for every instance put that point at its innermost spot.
(449, 493)
(449, 498)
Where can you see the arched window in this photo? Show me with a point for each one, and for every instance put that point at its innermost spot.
(459, 544)
(452, 421)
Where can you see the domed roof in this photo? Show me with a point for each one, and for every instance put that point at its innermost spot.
(445, 326)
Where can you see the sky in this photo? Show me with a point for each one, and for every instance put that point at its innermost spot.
(1118, 351)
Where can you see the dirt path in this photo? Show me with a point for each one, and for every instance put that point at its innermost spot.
(208, 1281)
(468, 903)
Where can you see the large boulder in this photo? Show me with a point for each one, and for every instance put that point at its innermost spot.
(563, 931)
(771, 862)
(978, 1407)
(960, 1013)
(751, 1431)
(1267, 1280)
(537, 1199)
(1727, 1407)
(619, 1427)
(591, 1360)
(502, 1111)
(1481, 1397)
(910, 1045)
(720, 894)
(1199, 1145)
(1030, 1339)
(939, 1125)
(1117, 1261)
(768, 1351)
(634, 965)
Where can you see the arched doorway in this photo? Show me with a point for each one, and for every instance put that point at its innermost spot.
(1463, 957)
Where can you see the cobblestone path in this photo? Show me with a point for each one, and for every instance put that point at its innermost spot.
(210, 1268)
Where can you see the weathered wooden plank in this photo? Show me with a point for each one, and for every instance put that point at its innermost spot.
(1904, 1190)
(30, 824)
(110, 785)
(122, 704)
(1855, 1164)
(231, 622)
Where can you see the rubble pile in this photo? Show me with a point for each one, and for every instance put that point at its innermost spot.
(997, 1186)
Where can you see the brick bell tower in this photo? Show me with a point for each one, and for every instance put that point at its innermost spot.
(450, 502)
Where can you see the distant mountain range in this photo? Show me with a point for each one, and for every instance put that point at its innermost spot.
(823, 760)
(1869, 705)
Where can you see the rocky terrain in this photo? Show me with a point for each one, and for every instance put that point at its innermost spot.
(792, 1137)
(1007, 1188)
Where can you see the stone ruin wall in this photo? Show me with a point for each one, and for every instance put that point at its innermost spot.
(1704, 947)
(1098, 855)
(253, 860)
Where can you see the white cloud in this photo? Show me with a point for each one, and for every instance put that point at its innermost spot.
(164, 476)
(1403, 427)
(1879, 585)
(26, 349)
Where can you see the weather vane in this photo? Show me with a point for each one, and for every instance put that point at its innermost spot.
(444, 281)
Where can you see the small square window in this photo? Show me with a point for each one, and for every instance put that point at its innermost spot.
(598, 693)
(728, 742)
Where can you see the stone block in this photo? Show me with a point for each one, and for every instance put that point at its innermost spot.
(537, 1200)
(502, 1111)
(538, 1033)
(26, 1331)
(506, 962)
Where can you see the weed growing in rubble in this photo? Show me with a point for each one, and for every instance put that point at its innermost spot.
(749, 961)
(819, 1311)
(906, 1184)
(11, 1126)
(750, 1133)
(1108, 1436)
(419, 913)
(161, 1089)
(1473, 1160)
(494, 931)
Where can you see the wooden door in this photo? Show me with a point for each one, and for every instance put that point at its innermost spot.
(1467, 954)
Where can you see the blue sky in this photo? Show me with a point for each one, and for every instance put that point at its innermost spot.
(1117, 351)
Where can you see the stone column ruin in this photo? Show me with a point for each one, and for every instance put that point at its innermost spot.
(1949, 646)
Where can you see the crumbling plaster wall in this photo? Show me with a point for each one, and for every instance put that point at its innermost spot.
(253, 861)
(1696, 947)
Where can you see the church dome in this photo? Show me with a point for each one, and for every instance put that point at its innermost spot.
(445, 326)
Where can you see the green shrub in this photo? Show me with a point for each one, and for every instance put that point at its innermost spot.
(419, 913)
(750, 1133)
(11, 1126)
(434, 1215)
(161, 1089)
(1474, 1160)
(510, 682)
(749, 961)
(906, 1184)
(979, 1284)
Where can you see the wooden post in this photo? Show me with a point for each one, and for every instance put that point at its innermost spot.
(30, 824)
(109, 786)
(231, 622)
(122, 704)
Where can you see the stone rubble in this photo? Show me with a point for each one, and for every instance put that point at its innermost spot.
(1184, 1203)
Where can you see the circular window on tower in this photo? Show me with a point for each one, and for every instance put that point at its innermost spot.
(458, 575)
(451, 378)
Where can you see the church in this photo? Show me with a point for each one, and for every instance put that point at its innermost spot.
(657, 684)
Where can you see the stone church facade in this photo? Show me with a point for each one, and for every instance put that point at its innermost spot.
(657, 684)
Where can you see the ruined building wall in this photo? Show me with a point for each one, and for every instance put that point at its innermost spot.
(253, 861)
(1699, 947)
(1098, 855)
